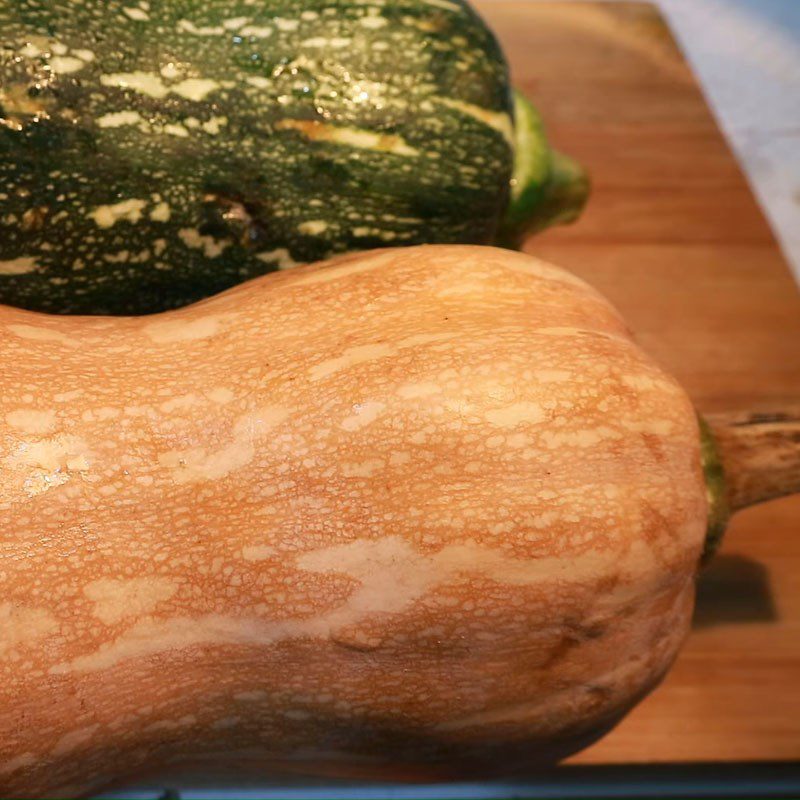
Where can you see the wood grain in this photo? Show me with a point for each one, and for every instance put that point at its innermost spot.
(674, 237)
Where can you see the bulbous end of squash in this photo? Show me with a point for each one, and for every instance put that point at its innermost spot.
(547, 187)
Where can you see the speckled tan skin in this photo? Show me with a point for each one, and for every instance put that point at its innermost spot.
(412, 513)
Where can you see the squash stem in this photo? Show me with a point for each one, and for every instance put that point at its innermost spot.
(748, 458)
(565, 194)
(760, 454)
(547, 187)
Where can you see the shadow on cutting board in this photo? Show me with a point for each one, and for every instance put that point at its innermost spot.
(734, 589)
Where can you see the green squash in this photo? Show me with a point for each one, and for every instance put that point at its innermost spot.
(154, 153)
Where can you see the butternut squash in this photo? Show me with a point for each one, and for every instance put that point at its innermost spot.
(411, 513)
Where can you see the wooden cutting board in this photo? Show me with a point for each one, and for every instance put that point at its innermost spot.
(674, 237)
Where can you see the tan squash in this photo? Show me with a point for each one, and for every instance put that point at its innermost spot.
(415, 513)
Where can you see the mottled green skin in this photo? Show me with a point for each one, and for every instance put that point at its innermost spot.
(251, 185)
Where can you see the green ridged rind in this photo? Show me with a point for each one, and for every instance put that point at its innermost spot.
(237, 195)
(533, 163)
(714, 475)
